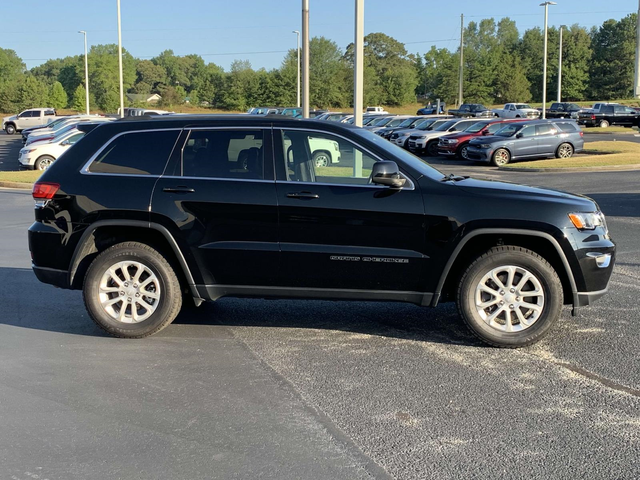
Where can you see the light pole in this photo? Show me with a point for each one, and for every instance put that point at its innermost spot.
(305, 58)
(560, 66)
(86, 71)
(298, 70)
(120, 63)
(544, 63)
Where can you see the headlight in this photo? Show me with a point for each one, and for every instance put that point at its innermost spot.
(588, 220)
(31, 150)
(451, 140)
(485, 145)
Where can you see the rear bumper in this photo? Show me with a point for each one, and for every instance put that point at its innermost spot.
(52, 276)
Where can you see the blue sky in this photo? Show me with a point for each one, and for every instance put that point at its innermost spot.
(260, 30)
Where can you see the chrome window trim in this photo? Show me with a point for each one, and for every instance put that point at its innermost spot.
(85, 169)
(369, 152)
(223, 179)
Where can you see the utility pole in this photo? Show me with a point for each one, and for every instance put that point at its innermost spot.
(305, 58)
(560, 67)
(358, 64)
(636, 82)
(86, 71)
(461, 59)
(544, 61)
(120, 63)
(298, 70)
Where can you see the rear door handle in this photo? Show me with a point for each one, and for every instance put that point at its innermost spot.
(179, 189)
(303, 195)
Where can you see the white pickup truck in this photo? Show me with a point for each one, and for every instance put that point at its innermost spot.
(516, 110)
(34, 117)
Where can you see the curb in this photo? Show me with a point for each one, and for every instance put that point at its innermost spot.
(16, 185)
(604, 168)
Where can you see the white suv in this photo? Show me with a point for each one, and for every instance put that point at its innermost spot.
(40, 155)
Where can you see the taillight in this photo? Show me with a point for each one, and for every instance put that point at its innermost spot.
(593, 117)
(581, 133)
(44, 190)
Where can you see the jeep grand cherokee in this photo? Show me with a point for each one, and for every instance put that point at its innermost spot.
(143, 214)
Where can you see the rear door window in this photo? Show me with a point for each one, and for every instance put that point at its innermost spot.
(136, 153)
(224, 154)
(567, 127)
(545, 129)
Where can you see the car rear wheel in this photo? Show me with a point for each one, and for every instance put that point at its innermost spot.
(510, 297)
(131, 291)
(463, 151)
(432, 148)
(321, 159)
(565, 150)
(603, 124)
(44, 162)
(10, 129)
(501, 157)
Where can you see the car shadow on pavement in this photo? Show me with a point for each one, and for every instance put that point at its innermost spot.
(10, 146)
(384, 319)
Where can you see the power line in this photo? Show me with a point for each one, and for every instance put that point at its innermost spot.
(431, 41)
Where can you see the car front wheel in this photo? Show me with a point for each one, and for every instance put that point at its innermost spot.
(131, 291)
(10, 129)
(463, 152)
(432, 148)
(44, 162)
(321, 159)
(510, 297)
(501, 157)
(604, 124)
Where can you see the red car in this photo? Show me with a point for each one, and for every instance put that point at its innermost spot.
(455, 144)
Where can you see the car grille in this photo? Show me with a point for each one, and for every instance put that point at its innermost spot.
(394, 136)
(412, 144)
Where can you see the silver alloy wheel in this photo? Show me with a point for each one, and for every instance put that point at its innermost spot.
(604, 124)
(129, 292)
(44, 163)
(321, 160)
(509, 298)
(565, 151)
(501, 157)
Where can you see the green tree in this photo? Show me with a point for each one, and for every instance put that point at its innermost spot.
(613, 52)
(104, 78)
(151, 75)
(11, 66)
(57, 96)
(327, 72)
(79, 99)
(511, 84)
(32, 93)
(577, 53)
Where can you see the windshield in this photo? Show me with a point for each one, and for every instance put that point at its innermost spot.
(380, 122)
(395, 122)
(429, 124)
(520, 106)
(476, 108)
(476, 127)
(401, 154)
(445, 126)
(508, 131)
(407, 122)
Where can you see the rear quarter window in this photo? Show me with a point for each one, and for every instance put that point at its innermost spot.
(136, 153)
(567, 127)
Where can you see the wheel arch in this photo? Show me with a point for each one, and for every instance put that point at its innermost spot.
(479, 241)
(105, 233)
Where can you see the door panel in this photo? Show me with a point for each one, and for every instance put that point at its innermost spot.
(547, 138)
(338, 231)
(526, 145)
(222, 197)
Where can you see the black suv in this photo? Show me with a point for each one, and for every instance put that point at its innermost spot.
(144, 214)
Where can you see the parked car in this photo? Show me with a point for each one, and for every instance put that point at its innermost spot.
(366, 119)
(563, 110)
(610, 115)
(427, 142)
(332, 116)
(401, 137)
(376, 111)
(144, 216)
(264, 111)
(456, 144)
(48, 134)
(40, 155)
(34, 117)
(391, 121)
(50, 126)
(294, 112)
(408, 122)
(516, 110)
(532, 139)
(471, 110)
(432, 109)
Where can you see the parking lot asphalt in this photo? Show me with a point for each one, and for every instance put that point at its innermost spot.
(289, 389)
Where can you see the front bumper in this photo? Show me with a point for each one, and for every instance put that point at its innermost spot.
(479, 154)
(25, 162)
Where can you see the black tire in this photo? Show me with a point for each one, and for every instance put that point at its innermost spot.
(603, 124)
(564, 150)
(500, 157)
(43, 162)
(321, 159)
(169, 301)
(520, 257)
(462, 151)
(10, 129)
(432, 148)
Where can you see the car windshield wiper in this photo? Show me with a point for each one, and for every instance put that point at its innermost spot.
(453, 178)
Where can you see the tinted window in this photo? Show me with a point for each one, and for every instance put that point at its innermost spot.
(567, 127)
(464, 125)
(224, 154)
(324, 158)
(606, 109)
(74, 138)
(528, 131)
(494, 127)
(49, 112)
(475, 127)
(141, 153)
(545, 129)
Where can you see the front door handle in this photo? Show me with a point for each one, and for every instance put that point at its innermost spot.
(178, 189)
(303, 195)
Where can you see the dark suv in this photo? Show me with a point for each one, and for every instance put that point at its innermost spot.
(143, 215)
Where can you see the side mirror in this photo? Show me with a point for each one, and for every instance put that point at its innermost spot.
(387, 173)
(518, 135)
(485, 132)
(65, 143)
